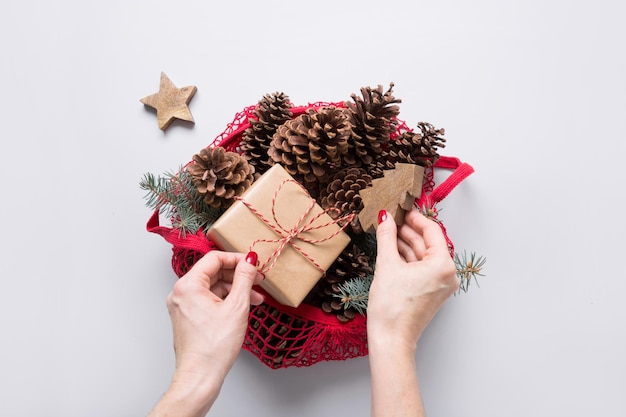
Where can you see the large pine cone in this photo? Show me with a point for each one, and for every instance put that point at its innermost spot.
(272, 111)
(351, 263)
(373, 117)
(220, 175)
(342, 193)
(310, 146)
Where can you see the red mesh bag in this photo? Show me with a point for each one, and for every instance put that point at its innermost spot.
(282, 336)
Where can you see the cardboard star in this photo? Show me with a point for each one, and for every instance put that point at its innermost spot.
(395, 192)
(170, 102)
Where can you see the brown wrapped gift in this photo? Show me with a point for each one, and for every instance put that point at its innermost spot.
(280, 203)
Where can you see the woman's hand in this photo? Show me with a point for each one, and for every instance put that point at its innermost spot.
(414, 275)
(209, 309)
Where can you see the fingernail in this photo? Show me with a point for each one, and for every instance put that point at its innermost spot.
(382, 216)
(252, 258)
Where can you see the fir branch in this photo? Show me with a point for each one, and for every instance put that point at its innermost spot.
(175, 195)
(188, 194)
(354, 293)
(159, 194)
(468, 268)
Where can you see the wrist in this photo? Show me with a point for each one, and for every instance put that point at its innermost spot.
(393, 336)
(191, 394)
(395, 389)
(188, 395)
(198, 376)
(195, 385)
(387, 344)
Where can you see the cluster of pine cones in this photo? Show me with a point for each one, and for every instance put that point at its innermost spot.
(334, 151)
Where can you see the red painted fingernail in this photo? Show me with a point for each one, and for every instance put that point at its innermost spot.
(252, 258)
(382, 216)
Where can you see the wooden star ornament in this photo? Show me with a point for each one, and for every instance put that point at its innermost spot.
(170, 102)
(395, 192)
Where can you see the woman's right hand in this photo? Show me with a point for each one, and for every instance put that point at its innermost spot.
(414, 276)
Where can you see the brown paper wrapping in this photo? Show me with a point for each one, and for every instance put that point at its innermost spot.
(293, 276)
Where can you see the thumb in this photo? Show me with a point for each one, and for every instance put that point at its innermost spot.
(244, 278)
(386, 236)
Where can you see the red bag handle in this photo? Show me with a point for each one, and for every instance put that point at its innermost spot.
(461, 170)
(197, 242)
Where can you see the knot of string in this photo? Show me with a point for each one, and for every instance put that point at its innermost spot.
(290, 235)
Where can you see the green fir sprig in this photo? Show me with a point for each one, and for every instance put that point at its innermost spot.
(175, 196)
(468, 267)
(354, 293)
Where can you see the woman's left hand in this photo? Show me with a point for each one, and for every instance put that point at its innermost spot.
(209, 309)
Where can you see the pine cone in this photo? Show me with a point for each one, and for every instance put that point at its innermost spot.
(271, 112)
(373, 118)
(310, 146)
(419, 148)
(431, 140)
(342, 193)
(351, 263)
(220, 175)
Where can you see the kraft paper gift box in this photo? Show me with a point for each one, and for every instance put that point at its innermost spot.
(281, 202)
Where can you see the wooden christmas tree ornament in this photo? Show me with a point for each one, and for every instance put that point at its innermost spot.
(170, 102)
(395, 192)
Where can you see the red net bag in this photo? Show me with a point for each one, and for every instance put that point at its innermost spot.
(281, 336)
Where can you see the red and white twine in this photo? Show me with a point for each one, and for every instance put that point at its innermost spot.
(288, 236)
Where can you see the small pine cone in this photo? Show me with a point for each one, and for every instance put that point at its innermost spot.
(351, 263)
(432, 139)
(373, 118)
(310, 146)
(272, 111)
(342, 193)
(419, 148)
(220, 175)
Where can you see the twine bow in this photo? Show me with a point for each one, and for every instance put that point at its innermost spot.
(287, 236)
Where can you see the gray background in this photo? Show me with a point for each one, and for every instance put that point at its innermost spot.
(531, 93)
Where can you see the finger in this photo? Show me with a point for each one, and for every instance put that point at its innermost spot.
(387, 237)
(244, 278)
(431, 232)
(222, 289)
(213, 266)
(186, 288)
(406, 251)
(414, 240)
(256, 298)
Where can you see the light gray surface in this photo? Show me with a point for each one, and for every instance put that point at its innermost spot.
(531, 93)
